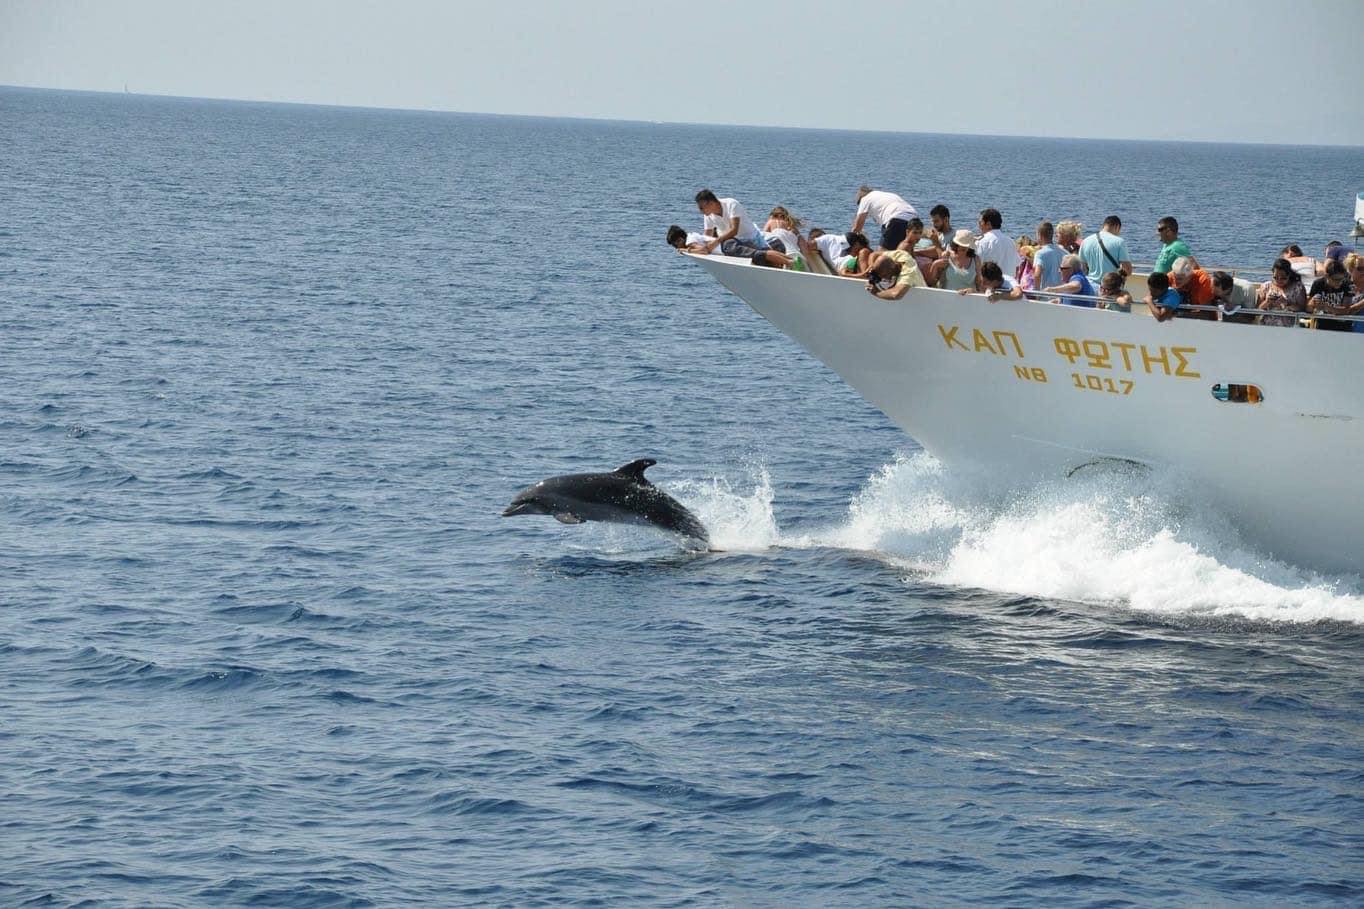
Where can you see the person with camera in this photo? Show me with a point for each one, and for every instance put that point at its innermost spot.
(892, 274)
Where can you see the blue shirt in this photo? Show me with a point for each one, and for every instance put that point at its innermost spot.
(1096, 263)
(1086, 289)
(1047, 261)
(1170, 299)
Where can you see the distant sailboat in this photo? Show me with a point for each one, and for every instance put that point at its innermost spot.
(125, 89)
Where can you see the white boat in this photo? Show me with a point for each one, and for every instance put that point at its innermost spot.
(1268, 421)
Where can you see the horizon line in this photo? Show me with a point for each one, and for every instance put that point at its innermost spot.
(728, 125)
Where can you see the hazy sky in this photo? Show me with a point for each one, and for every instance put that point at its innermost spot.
(1148, 69)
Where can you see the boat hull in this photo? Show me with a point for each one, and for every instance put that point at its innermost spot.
(1030, 390)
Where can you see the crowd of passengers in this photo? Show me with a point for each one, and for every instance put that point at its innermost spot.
(1059, 265)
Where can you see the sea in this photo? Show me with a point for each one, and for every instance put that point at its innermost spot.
(270, 373)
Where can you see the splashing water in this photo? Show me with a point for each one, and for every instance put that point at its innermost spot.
(737, 521)
(1118, 538)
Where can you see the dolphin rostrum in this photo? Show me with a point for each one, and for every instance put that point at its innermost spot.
(622, 496)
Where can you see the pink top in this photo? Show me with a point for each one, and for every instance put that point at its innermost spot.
(1291, 297)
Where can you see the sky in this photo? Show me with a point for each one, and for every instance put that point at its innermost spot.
(1208, 70)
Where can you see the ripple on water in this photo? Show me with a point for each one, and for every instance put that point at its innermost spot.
(264, 639)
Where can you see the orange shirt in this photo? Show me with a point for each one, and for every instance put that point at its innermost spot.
(1198, 291)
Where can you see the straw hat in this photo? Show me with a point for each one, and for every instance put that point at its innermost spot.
(964, 238)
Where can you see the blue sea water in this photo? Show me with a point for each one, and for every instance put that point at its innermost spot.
(268, 375)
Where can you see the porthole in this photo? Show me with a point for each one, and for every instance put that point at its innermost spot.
(1233, 393)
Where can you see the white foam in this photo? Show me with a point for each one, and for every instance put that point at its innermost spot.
(1124, 539)
(736, 520)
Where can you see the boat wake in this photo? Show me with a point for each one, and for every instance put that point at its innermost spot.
(1116, 537)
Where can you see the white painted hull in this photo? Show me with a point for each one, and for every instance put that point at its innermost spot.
(991, 387)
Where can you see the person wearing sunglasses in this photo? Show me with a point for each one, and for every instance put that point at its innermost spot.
(1076, 282)
(1331, 295)
(959, 271)
(1283, 291)
(1167, 229)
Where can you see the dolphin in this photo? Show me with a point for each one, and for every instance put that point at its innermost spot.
(622, 496)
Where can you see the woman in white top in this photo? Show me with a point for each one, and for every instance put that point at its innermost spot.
(784, 226)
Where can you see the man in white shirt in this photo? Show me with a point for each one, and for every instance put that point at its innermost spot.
(727, 225)
(689, 241)
(831, 248)
(886, 209)
(1106, 251)
(994, 246)
(1235, 298)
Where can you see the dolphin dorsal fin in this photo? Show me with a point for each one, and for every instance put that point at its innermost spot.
(635, 470)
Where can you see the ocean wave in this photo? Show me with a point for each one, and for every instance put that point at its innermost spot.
(276, 614)
(1134, 541)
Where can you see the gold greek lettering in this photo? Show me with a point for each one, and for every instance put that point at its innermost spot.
(1126, 353)
(981, 341)
(1039, 374)
(999, 335)
(1163, 359)
(950, 337)
(1067, 348)
(1181, 367)
(1096, 352)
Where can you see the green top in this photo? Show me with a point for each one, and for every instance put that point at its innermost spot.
(1168, 253)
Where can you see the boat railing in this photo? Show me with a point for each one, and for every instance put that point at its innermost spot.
(1106, 303)
(1295, 313)
(1089, 301)
(1236, 271)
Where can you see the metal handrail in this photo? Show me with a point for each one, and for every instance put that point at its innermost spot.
(1051, 296)
(1033, 295)
(1295, 313)
(1233, 270)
